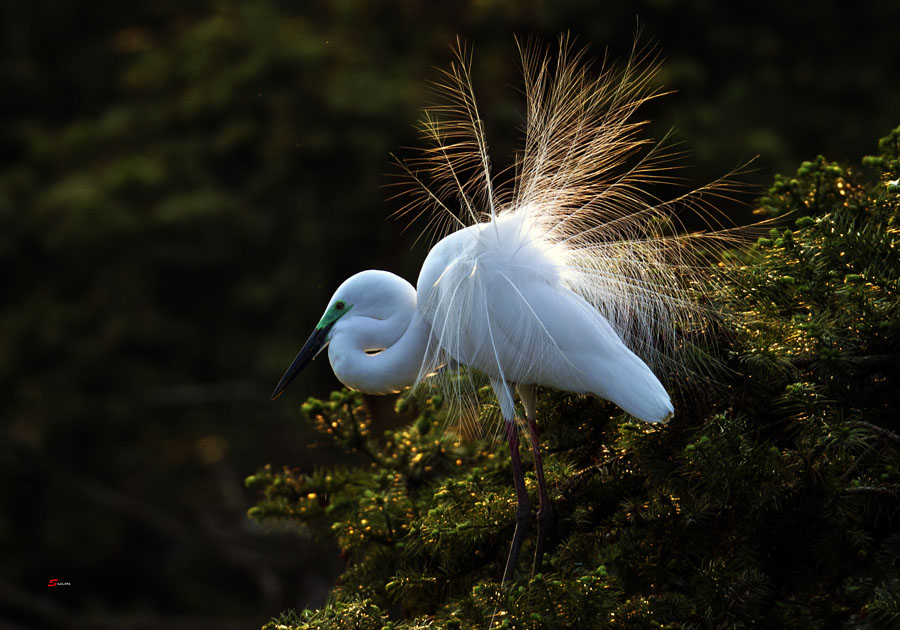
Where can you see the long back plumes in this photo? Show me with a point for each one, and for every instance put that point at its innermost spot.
(588, 184)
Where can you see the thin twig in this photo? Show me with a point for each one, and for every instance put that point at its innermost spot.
(581, 474)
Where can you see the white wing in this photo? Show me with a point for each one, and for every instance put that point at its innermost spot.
(496, 299)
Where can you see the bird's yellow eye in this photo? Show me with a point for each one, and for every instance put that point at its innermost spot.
(339, 306)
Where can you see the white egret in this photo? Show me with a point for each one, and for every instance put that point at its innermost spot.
(562, 278)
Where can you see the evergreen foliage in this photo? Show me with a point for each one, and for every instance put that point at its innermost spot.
(771, 502)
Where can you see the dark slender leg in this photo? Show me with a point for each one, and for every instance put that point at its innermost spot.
(544, 514)
(512, 435)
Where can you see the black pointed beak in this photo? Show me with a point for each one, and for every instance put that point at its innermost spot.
(308, 352)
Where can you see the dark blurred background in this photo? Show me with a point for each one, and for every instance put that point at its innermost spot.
(183, 184)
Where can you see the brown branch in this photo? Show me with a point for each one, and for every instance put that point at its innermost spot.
(894, 492)
(880, 431)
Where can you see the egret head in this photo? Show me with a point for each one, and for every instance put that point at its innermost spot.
(372, 294)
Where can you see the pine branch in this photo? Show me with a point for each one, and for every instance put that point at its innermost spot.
(864, 457)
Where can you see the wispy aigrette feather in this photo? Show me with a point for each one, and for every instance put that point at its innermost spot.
(583, 194)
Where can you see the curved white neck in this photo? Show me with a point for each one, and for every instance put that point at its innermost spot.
(392, 369)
